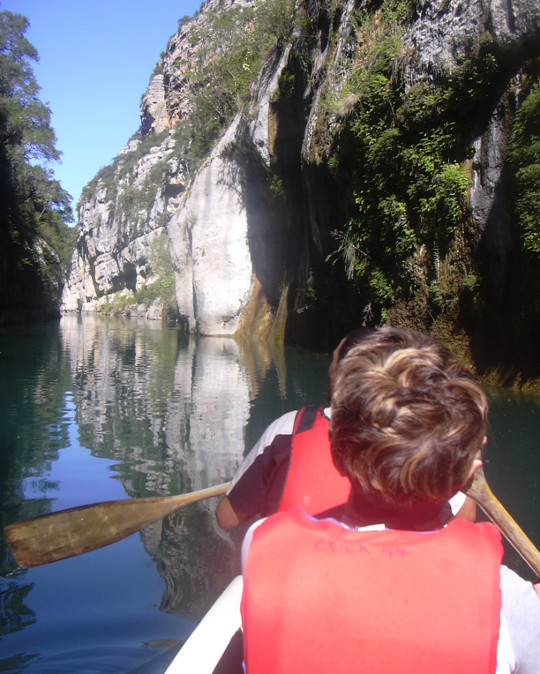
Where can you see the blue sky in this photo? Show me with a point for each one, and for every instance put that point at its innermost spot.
(95, 61)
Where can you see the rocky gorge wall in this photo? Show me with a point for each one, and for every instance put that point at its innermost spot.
(246, 256)
(203, 215)
(439, 38)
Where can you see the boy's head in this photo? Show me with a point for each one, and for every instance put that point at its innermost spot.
(408, 420)
(350, 340)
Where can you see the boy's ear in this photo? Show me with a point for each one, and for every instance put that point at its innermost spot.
(476, 464)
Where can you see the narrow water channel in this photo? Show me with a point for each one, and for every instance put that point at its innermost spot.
(99, 409)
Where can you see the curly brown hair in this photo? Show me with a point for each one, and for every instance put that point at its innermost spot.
(407, 418)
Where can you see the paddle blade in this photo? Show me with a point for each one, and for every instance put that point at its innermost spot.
(71, 532)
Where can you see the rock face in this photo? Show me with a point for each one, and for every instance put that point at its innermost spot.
(115, 232)
(214, 258)
(442, 34)
(207, 225)
(210, 248)
(231, 244)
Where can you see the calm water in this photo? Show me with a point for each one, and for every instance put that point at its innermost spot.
(98, 409)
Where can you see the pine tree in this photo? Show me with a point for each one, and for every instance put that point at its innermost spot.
(34, 209)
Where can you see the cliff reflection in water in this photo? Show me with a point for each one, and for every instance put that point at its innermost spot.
(171, 409)
(160, 413)
(175, 414)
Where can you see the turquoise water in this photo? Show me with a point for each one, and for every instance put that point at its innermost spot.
(97, 410)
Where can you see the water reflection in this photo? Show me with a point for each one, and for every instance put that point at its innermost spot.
(171, 410)
(104, 409)
(512, 463)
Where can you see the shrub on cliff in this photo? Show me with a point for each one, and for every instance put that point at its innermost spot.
(232, 45)
(525, 157)
(401, 148)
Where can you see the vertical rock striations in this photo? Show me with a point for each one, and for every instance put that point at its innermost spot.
(144, 196)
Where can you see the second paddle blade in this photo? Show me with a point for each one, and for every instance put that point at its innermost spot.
(71, 532)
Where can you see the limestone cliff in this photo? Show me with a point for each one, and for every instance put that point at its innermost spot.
(259, 225)
(143, 197)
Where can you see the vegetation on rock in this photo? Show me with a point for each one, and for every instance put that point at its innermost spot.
(391, 235)
(525, 158)
(399, 155)
(232, 48)
(160, 290)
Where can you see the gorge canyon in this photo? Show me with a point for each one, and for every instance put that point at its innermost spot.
(308, 208)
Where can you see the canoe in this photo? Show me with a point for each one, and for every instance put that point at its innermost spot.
(209, 640)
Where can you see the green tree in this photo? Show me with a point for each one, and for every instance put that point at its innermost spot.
(35, 240)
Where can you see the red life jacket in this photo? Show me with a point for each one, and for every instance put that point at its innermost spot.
(321, 598)
(313, 481)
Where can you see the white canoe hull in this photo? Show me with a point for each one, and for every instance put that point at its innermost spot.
(208, 641)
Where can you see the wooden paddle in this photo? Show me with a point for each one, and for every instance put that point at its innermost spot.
(66, 533)
(480, 492)
(71, 532)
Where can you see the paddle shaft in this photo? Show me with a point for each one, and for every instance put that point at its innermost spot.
(480, 492)
(71, 532)
(66, 533)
